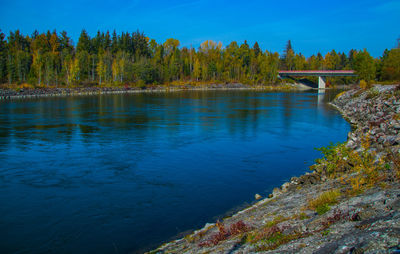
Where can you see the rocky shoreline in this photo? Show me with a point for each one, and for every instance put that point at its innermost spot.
(6, 93)
(349, 203)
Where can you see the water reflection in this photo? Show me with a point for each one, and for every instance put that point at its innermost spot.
(63, 116)
(86, 174)
(321, 97)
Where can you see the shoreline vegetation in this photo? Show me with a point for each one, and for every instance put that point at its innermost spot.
(349, 202)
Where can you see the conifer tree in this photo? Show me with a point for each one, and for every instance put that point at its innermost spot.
(3, 57)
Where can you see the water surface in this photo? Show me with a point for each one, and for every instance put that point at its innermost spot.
(123, 173)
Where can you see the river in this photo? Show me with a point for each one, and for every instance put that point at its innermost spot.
(123, 173)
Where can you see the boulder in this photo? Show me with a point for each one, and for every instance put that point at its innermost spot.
(309, 179)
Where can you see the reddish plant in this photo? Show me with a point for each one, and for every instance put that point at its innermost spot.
(223, 234)
(338, 215)
(238, 228)
(205, 244)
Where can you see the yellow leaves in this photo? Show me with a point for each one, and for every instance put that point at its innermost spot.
(366, 141)
(196, 69)
(357, 185)
(101, 69)
(74, 69)
(54, 44)
(115, 69)
(340, 94)
(172, 42)
(118, 68)
(170, 45)
(363, 84)
(210, 45)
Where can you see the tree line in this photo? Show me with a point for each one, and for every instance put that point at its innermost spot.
(51, 59)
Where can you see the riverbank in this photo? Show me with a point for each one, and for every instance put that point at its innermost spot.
(349, 203)
(8, 93)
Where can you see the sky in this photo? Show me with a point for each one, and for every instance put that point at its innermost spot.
(312, 25)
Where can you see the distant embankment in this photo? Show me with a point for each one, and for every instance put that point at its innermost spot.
(44, 92)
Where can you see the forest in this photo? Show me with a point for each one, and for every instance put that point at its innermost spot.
(52, 59)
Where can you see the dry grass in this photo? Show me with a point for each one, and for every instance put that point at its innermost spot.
(321, 203)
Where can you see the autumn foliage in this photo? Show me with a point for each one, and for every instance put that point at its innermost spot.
(52, 59)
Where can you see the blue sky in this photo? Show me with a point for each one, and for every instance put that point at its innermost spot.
(312, 26)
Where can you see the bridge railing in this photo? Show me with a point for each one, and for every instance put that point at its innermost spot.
(321, 73)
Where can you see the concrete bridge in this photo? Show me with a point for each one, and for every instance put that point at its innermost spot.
(321, 74)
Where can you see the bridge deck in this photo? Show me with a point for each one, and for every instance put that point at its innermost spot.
(325, 73)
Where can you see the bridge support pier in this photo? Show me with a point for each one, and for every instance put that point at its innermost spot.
(321, 82)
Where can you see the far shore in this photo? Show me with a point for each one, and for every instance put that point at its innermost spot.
(19, 93)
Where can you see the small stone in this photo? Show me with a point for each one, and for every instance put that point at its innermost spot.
(276, 192)
(381, 139)
(392, 140)
(285, 187)
(351, 144)
(257, 196)
(294, 180)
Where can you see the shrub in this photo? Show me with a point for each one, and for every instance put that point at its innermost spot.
(326, 232)
(372, 93)
(363, 84)
(339, 159)
(303, 216)
(336, 159)
(26, 86)
(323, 209)
(238, 228)
(278, 219)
